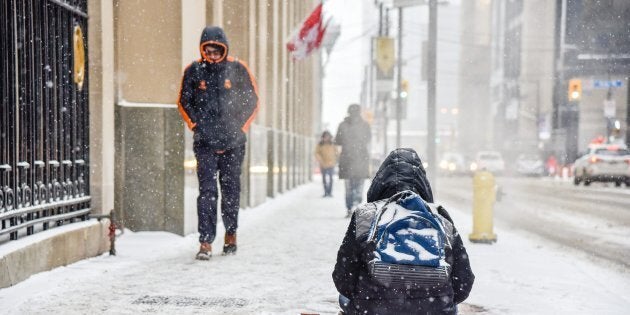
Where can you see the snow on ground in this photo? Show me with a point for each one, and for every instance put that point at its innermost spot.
(287, 250)
(524, 274)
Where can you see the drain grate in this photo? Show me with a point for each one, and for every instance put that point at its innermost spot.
(189, 301)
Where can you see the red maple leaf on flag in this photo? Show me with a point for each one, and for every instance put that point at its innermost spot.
(309, 37)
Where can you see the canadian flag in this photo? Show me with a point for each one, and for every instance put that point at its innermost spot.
(309, 37)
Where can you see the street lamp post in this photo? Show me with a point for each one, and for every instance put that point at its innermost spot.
(399, 78)
(431, 80)
(431, 92)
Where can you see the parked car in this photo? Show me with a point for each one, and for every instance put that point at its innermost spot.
(530, 164)
(452, 163)
(603, 163)
(491, 161)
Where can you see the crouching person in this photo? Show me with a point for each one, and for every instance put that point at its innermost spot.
(401, 253)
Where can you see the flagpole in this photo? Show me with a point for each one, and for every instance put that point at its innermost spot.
(322, 75)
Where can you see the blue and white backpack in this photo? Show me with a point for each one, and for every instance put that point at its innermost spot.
(410, 244)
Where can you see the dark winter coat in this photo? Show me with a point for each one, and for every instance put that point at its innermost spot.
(402, 170)
(218, 100)
(353, 135)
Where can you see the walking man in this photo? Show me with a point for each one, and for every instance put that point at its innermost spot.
(353, 135)
(326, 155)
(218, 101)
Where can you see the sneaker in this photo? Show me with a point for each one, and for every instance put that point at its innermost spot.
(230, 244)
(205, 252)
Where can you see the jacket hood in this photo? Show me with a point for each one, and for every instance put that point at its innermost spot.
(402, 170)
(213, 35)
(353, 119)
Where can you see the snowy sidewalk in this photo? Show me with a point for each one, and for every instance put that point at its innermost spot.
(287, 250)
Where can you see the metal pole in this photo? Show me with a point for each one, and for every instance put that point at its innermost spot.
(385, 99)
(320, 91)
(380, 19)
(628, 117)
(431, 92)
(537, 111)
(379, 99)
(399, 77)
(561, 102)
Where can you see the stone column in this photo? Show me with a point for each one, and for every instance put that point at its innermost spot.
(101, 58)
(149, 129)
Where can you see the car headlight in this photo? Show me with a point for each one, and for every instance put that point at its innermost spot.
(473, 166)
(443, 164)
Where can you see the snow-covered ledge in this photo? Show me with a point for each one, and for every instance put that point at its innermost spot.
(49, 249)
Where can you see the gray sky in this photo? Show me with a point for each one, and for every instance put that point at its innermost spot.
(343, 73)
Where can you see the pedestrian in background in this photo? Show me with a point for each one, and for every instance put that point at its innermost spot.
(218, 100)
(551, 165)
(353, 135)
(402, 253)
(326, 155)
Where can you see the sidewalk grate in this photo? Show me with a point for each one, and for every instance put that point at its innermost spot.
(190, 301)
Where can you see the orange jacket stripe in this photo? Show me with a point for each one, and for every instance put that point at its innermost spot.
(249, 121)
(189, 122)
(203, 53)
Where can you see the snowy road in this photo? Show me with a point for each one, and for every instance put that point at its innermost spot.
(594, 220)
(287, 250)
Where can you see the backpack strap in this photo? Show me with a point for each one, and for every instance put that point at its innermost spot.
(446, 224)
(363, 217)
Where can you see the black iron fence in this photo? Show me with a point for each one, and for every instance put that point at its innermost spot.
(44, 171)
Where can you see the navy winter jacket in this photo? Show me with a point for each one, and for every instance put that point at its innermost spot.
(218, 100)
(401, 171)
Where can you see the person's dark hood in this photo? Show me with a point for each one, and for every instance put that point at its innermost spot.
(402, 170)
(353, 119)
(213, 35)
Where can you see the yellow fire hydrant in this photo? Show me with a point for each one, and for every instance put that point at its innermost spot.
(484, 196)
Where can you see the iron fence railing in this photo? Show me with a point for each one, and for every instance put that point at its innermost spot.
(44, 171)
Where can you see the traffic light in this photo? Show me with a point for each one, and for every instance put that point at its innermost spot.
(575, 89)
(404, 88)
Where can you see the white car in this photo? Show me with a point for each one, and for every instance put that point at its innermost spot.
(529, 165)
(603, 163)
(490, 161)
(452, 163)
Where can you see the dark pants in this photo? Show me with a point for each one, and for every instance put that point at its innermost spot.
(354, 192)
(228, 166)
(327, 177)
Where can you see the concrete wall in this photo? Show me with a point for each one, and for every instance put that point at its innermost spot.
(50, 249)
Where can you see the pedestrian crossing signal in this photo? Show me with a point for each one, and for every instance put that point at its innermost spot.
(575, 89)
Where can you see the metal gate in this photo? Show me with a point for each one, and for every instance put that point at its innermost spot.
(44, 171)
